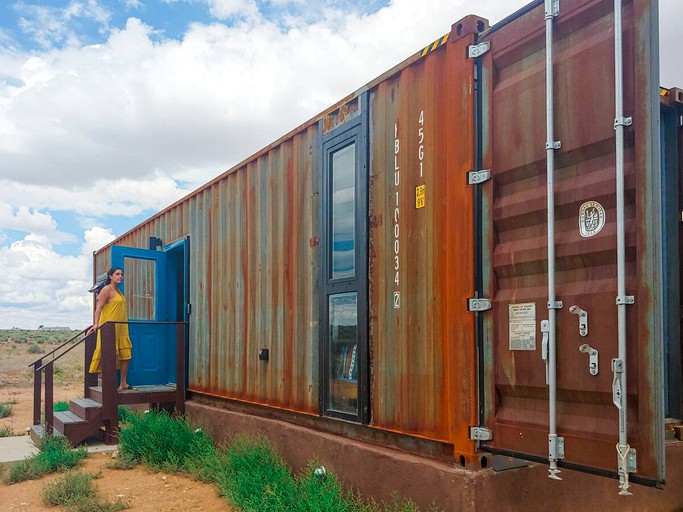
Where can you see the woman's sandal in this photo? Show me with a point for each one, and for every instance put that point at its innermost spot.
(127, 388)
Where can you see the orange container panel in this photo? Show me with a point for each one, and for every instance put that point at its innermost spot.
(421, 246)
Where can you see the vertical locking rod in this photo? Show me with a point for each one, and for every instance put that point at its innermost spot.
(555, 451)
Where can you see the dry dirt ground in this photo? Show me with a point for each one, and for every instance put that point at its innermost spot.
(147, 491)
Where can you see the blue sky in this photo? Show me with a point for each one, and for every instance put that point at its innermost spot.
(111, 110)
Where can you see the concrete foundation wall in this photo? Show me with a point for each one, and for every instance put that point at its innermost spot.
(377, 472)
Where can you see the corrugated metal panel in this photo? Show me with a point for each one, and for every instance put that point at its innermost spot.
(421, 263)
(253, 276)
(586, 267)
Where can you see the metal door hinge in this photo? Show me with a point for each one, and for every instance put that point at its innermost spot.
(552, 8)
(478, 305)
(476, 177)
(480, 434)
(477, 50)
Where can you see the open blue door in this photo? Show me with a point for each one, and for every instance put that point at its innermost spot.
(145, 286)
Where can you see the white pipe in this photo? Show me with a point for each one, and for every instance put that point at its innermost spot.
(619, 367)
(554, 442)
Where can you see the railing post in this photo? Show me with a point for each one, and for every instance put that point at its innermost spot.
(49, 397)
(89, 379)
(37, 391)
(180, 368)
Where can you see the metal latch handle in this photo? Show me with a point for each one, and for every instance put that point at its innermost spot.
(592, 358)
(583, 319)
(545, 330)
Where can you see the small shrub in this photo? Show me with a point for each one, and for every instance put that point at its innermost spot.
(6, 431)
(34, 348)
(5, 410)
(77, 493)
(68, 490)
(55, 455)
(60, 406)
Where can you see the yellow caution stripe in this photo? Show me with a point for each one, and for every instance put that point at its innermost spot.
(433, 46)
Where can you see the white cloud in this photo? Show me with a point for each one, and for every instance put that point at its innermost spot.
(40, 286)
(224, 9)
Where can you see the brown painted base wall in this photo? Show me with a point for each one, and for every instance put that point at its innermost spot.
(378, 472)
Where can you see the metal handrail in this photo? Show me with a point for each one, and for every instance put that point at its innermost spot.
(57, 348)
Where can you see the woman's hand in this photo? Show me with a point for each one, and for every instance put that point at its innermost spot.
(92, 329)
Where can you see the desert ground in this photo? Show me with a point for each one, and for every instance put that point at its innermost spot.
(147, 491)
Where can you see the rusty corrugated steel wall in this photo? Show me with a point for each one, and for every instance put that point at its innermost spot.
(421, 246)
(253, 276)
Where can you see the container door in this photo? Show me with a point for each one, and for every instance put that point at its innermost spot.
(516, 397)
(145, 287)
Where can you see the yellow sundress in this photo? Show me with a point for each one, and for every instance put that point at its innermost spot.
(116, 310)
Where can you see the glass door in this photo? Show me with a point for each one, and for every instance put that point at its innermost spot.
(344, 333)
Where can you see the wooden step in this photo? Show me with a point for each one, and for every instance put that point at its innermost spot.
(62, 419)
(37, 434)
(86, 408)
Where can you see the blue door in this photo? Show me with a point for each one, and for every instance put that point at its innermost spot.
(145, 285)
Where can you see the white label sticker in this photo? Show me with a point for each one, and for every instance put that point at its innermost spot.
(591, 218)
(522, 320)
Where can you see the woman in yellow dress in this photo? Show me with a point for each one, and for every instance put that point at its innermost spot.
(112, 307)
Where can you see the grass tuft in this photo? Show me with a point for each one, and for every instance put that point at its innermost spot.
(60, 406)
(6, 431)
(76, 493)
(55, 455)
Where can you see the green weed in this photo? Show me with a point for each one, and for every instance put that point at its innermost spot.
(248, 471)
(55, 455)
(162, 442)
(6, 431)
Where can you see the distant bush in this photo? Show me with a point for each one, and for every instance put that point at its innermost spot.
(36, 349)
(5, 410)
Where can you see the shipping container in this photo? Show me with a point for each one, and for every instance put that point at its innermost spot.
(476, 253)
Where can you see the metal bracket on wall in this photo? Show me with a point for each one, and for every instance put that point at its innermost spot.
(477, 177)
(480, 434)
(477, 50)
(623, 121)
(478, 305)
(626, 299)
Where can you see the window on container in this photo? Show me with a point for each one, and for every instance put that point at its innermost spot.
(140, 285)
(343, 218)
(343, 353)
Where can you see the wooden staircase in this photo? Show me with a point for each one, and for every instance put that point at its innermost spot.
(96, 414)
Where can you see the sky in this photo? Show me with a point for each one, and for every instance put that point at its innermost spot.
(111, 110)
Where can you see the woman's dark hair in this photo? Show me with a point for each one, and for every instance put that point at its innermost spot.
(109, 274)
